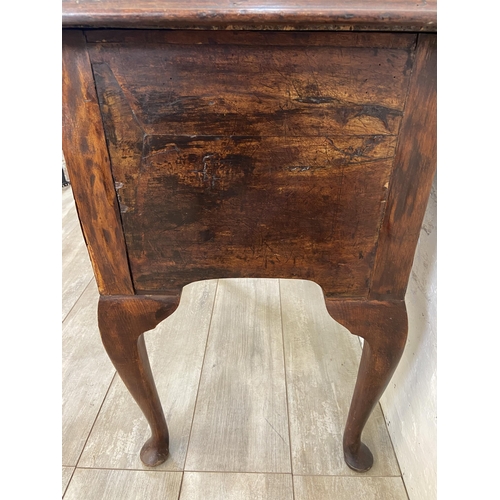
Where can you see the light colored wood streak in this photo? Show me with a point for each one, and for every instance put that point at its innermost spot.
(88, 166)
(66, 476)
(348, 488)
(86, 374)
(240, 422)
(230, 486)
(123, 485)
(322, 360)
(176, 348)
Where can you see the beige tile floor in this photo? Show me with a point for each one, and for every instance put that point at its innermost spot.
(255, 379)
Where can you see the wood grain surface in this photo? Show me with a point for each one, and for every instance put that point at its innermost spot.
(411, 183)
(252, 156)
(322, 360)
(88, 165)
(240, 422)
(176, 348)
(284, 14)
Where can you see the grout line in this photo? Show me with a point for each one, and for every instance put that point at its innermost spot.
(79, 297)
(67, 486)
(85, 467)
(358, 475)
(286, 388)
(393, 449)
(239, 471)
(95, 419)
(201, 373)
(354, 475)
(180, 486)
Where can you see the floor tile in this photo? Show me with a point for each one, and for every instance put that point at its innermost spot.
(76, 267)
(98, 484)
(86, 374)
(176, 348)
(241, 421)
(67, 203)
(66, 476)
(322, 360)
(230, 486)
(348, 488)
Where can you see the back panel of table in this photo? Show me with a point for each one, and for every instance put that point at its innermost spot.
(240, 154)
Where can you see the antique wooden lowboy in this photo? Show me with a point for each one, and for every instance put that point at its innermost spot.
(290, 139)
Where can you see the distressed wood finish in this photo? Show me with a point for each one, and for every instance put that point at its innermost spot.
(394, 15)
(301, 160)
(384, 326)
(219, 152)
(416, 162)
(176, 349)
(88, 166)
(321, 361)
(122, 323)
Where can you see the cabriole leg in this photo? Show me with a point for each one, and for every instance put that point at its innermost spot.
(384, 326)
(122, 322)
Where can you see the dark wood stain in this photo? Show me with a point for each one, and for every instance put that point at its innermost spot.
(256, 90)
(89, 169)
(384, 326)
(123, 319)
(416, 163)
(277, 181)
(381, 15)
(259, 154)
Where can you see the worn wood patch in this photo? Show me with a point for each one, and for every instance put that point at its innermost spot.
(88, 165)
(378, 15)
(208, 88)
(416, 160)
(264, 160)
(259, 38)
(245, 207)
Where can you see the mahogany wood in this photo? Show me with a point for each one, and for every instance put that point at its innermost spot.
(87, 161)
(202, 142)
(416, 162)
(122, 323)
(397, 15)
(384, 326)
(196, 153)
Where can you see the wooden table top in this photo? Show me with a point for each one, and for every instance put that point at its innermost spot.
(381, 15)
